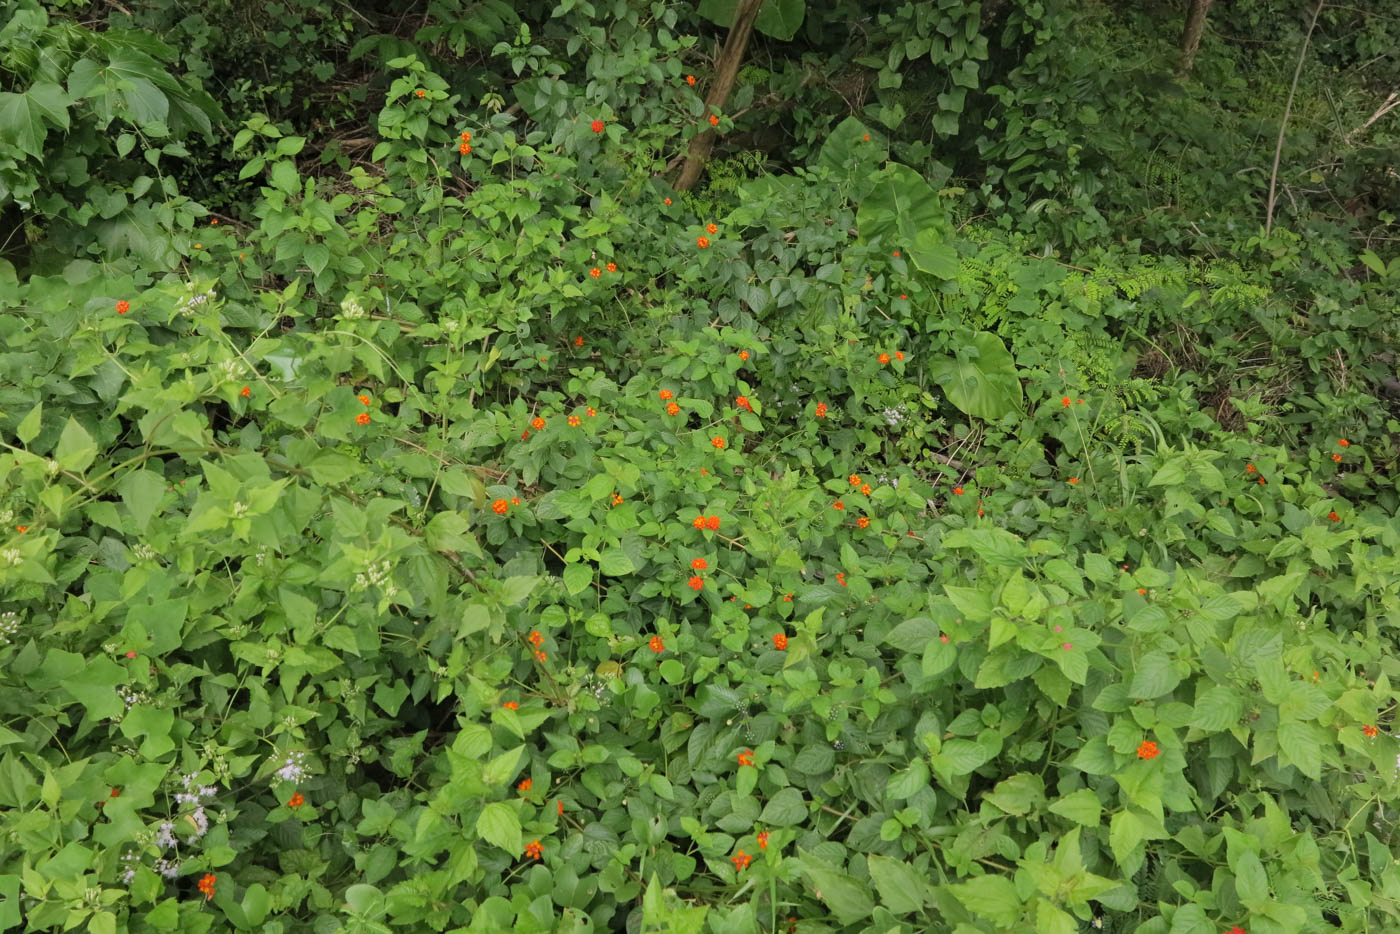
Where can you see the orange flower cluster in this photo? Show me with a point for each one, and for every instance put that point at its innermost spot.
(717, 442)
(123, 307)
(1148, 750)
(780, 641)
(362, 418)
(499, 507)
(697, 583)
(706, 522)
(206, 885)
(657, 644)
(821, 410)
(511, 705)
(1369, 730)
(536, 639)
(741, 859)
(525, 785)
(746, 757)
(534, 850)
(296, 800)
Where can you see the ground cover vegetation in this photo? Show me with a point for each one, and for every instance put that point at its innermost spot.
(737, 467)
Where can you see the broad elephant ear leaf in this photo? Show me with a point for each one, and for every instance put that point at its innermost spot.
(904, 212)
(983, 383)
(779, 19)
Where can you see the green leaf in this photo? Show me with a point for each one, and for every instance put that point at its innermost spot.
(76, 449)
(848, 899)
(25, 118)
(499, 825)
(1299, 743)
(784, 809)
(284, 177)
(1082, 807)
(1125, 832)
(616, 563)
(1217, 709)
(29, 426)
(902, 889)
(500, 769)
(1018, 794)
(900, 208)
(907, 782)
(449, 531)
(777, 18)
(1155, 675)
(991, 897)
(1251, 881)
(141, 491)
(577, 578)
(982, 382)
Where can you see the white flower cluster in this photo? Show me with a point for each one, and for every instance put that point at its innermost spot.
(239, 510)
(195, 300)
(350, 307)
(131, 697)
(892, 481)
(10, 557)
(143, 552)
(129, 862)
(896, 415)
(193, 796)
(7, 516)
(376, 575)
(9, 625)
(232, 370)
(293, 767)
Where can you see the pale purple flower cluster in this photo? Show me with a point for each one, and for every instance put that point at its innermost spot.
(193, 796)
(293, 767)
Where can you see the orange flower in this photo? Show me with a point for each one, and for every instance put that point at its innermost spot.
(1142, 592)
(524, 435)
(673, 409)
(711, 228)
(464, 148)
(362, 418)
(206, 885)
(717, 442)
(1337, 458)
(421, 93)
(296, 800)
(578, 341)
(866, 137)
(697, 583)
(1333, 515)
(896, 254)
(1148, 750)
(943, 637)
(214, 222)
(899, 355)
(656, 644)
(515, 501)
(865, 489)
(667, 200)
(561, 808)
(714, 121)
(787, 599)
(525, 784)
(883, 358)
(666, 394)
(575, 421)
(853, 479)
(535, 638)
(821, 410)
(741, 859)
(863, 522)
(838, 505)
(537, 423)
(612, 267)
(596, 126)
(702, 242)
(1369, 730)
(500, 506)
(1263, 482)
(533, 848)
(957, 491)
(743, 355)
(595, 272)
(763, 839)
(690, 80)
(511, 705)
(780, 641)
(712, 523)
(746, 757)
(743, 402)
(698, 522)
(699, 564)
(1343, 442)
(246, 391)
(466, 137)
(540, 656)
(21, 529)
(617, 499)
(1073, 479)
(1250, 468)
(123, 307)
(591, 413)
(364, 400)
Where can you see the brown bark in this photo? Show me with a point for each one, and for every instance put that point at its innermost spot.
(726, 70)
(1191, 36)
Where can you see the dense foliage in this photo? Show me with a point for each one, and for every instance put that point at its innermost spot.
(958, 514)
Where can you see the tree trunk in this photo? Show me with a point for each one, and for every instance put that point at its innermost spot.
(1191, 37)
(726, 70)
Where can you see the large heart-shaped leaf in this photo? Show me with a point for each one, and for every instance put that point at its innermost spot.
(903, 211)
(981, 380)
